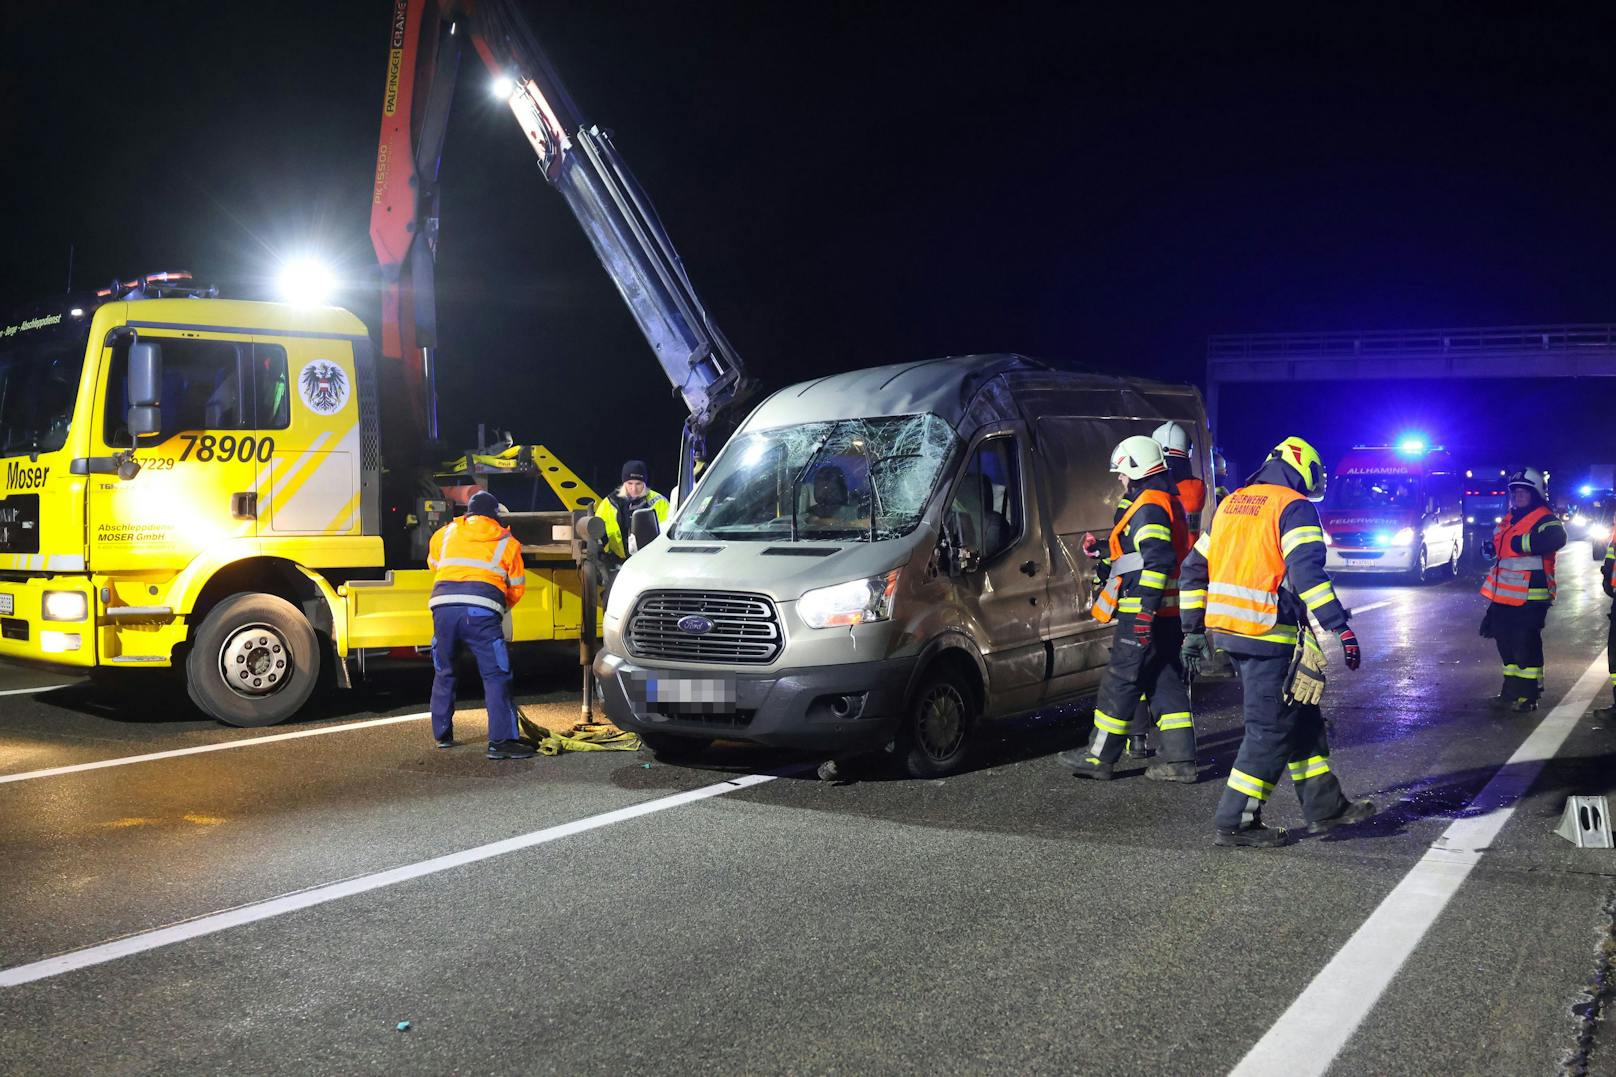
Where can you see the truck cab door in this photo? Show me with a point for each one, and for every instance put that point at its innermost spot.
(1002, 585)
(309, 480)
(187, 496)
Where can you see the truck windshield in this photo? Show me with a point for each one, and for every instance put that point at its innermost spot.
(39, 381)
(858, 480)
(1373, 492)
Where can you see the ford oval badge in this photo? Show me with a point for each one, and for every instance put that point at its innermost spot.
(695, 625)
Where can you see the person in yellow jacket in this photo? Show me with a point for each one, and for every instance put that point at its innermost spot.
(477, 576)
(1253, 578)
(618, 509)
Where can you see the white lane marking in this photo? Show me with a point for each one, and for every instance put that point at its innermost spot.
(38, 691)
(247, 742)
(1308, 1036)
(303, 899)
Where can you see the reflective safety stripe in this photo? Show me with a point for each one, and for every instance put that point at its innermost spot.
(1511, 669)
(1509, 581)
(1104, 721)
(1318, 596)
(1131, 604)
(1530, 673)
(1204, 543)
(1535, 593)
(1158, 532)
(1152, 579)
(466, 600)
(495, 564)
(1518, 564)
(1175, 720)
(1234, 590)
(1242, 782)
(517, 581)
(1310, 768)
(1193, 599)
(1105, 603)
(1299, 536)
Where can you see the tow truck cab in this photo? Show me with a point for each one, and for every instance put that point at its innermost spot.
(1392, 509)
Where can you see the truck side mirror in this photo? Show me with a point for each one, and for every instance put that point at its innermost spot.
(144, 388)
(643, 529)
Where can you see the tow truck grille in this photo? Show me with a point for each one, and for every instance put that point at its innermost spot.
(745, 628)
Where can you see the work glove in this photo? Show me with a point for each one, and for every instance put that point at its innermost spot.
(1349, 647)
(1142, 622)
(1192, 653)
(1304, 684)
(1091, 545)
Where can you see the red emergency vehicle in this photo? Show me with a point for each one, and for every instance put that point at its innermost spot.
(1393, 509)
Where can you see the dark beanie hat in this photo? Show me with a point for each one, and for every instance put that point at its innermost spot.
(636, 469)
(483, 503)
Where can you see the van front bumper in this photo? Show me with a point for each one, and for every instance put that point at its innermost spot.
(840, 708)
(1379, 559)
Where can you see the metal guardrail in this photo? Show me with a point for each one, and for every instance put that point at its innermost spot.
(1301, 347)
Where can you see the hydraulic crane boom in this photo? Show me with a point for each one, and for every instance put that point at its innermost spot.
(577, 159)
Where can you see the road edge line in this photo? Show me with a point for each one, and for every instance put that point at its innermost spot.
(1313, 1030)
(213, 923)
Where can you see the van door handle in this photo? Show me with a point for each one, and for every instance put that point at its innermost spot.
(244, 506)
(1030, 568)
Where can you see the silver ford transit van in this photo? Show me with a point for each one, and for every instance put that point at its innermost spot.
(885, 558)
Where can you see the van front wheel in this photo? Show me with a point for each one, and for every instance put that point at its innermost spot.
(936, 736)
(254, 662)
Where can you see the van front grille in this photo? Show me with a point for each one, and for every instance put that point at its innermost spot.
(744, 628)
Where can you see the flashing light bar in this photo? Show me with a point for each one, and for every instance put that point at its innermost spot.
(166, 277)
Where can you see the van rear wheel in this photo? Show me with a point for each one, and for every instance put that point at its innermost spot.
(254, 662)
(936, 736)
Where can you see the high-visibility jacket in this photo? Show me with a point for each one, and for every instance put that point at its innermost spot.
(476, 562)
(1247, 564)
(1133, 550)
(615, 510)
(1192, 493)
(1510, 582)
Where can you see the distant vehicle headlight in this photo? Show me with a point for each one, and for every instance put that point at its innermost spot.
(1404, 537)
(66, 606)
(856, 602)
(1470, 519)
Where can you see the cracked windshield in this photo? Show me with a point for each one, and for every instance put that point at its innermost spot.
(853, 480)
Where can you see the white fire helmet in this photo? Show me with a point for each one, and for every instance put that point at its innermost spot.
(1532, 477)
(1173, 439)
(1137, 457)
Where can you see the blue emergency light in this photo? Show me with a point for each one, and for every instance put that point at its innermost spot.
(1585, 489)
(1412, 445)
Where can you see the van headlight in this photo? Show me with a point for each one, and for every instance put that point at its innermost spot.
(855, 602)
(1404, 537)
(65, 606)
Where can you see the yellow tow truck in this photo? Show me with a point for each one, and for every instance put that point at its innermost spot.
(196, 483)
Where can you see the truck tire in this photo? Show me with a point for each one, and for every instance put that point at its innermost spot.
(673, 746)
(254, 662)
(935, 740)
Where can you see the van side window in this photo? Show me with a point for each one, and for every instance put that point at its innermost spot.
(207, 385)
(986, 508)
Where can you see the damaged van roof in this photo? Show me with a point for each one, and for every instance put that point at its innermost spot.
(964, 390)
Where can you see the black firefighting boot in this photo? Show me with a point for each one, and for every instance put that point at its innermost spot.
(1356, 812)
(1254, 836)
(1523, 706)
(1171, 772)
(1084, 765)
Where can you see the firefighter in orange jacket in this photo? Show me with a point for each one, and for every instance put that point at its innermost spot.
(1176, 445)
(1141, 595)
(1252, 579)
(1606, 570)
(1520, 587)
(478, 577)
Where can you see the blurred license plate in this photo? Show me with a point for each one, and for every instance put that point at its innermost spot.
(704, 693)
(8, 605)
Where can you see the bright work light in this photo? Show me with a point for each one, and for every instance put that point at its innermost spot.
(306, 282)
(501, 87)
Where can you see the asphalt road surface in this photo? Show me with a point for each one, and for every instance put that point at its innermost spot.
(283, 900)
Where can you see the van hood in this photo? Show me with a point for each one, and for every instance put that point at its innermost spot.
(781, 570)
(1340, 520)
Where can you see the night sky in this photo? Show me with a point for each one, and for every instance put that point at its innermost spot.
(856, 184)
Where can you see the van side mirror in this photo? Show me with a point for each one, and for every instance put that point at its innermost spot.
(643, 529)
(956, 558)
(144, 388)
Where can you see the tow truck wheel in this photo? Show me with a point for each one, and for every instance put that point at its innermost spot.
(936, 736)
(254, 661)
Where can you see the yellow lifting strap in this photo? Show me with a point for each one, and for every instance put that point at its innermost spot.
(590, 737)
